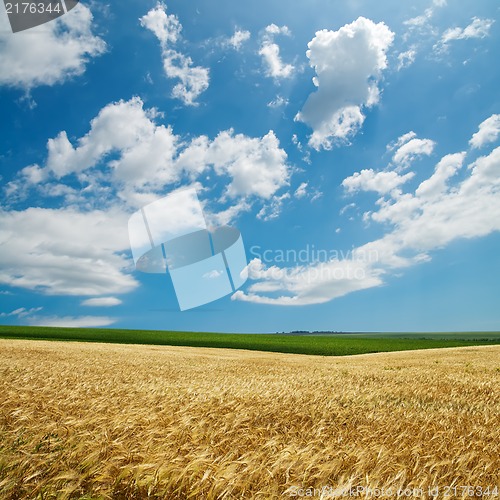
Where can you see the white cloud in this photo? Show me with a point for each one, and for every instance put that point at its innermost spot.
(348, 64)
(65, 252)
(125, 161)
(436, 184)
(226, 216)
(420, 30)
(304, 285)
(239, 37)
(212, 274)
(21, 312)
(143, 157)
(401, 140)
(419, 21)
(436, 214)
(488, 132)
(145, 149)
(193, 79)
(50, 53)
(257, 166)
(273, 208)
(406, 59)
(102, 302)
(409, 148)
(301, 191)
(380, 182)
(278, 102)
(270, 53)
(478, 28)
(72, 321)
(166, 28)
(422, 22)
(147, 157)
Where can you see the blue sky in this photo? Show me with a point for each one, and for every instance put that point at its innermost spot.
(355, 145)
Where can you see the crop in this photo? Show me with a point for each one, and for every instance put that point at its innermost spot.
(324, 345)
(84, 420)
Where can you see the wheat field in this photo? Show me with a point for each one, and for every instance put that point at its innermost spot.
(81, 420)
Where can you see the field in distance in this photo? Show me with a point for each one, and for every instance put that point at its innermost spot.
(108, 421)
(320, 344)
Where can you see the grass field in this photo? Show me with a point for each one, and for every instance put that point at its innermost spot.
(325, 345)
(89, 421)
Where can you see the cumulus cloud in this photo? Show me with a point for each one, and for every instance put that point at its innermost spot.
(50, 53)
(349, 63)
(145, 150)
(409, 148)
(488, 132)
(257, 166)
(142, 158)
(125, 161)
(102, 302)
(238, 39)
(65, 252)
(270, 52)
(380, 182)
(193, 80)
(437, 213)
(437, 183)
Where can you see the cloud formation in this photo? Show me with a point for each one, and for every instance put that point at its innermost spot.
(52, 52)
(71, 321)
(21, 312)
(270, 52)
(140, 158)
(379, 182)
(409, 148)
(348, 63)
(438, 212)
(488, 132)
(238, 38)
(101, 302)
(65, 251)
(478, 28)
(124, 161)
(193, 80)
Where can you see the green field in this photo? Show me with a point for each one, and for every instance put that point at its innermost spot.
(324, 345)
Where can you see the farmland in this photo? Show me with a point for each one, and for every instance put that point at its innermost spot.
(96, 420)
(324, 345)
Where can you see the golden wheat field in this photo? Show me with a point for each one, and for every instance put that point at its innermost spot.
(120, 421)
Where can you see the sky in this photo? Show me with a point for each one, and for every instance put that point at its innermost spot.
(354, 144)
